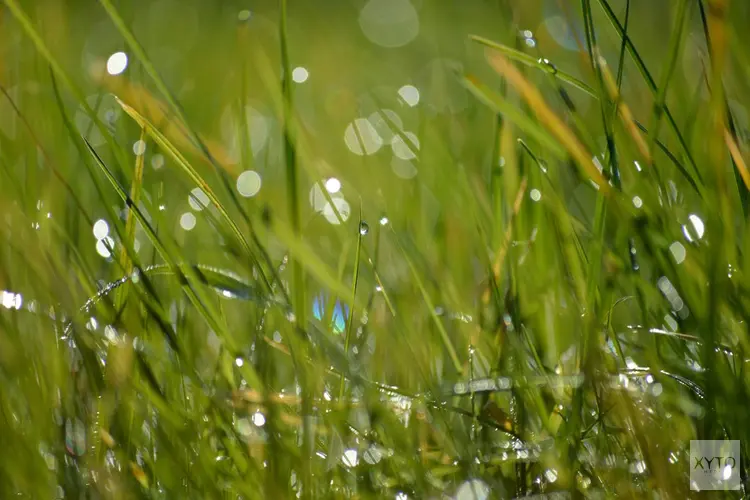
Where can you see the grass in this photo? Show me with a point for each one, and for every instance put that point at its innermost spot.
(521, 275)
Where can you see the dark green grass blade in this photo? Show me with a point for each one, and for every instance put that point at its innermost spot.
(633, 52)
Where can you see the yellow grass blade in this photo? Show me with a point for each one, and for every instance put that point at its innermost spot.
(624, 111)
(156, 112)
(739, 161)
(545, 115)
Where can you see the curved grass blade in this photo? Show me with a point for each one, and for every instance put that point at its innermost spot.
(199, 300)
(167, 146)
(173, 128)
(184, 125)
(536, 102)
(651, 84)
(225, 282)
(517, 55)
(523, 58)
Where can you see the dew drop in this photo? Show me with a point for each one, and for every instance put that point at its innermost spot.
(551, 475)
(259, 419)
(349, 458)
(363, 228)
(548, 66)
(333, 185)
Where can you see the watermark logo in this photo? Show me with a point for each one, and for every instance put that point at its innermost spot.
(714, 465)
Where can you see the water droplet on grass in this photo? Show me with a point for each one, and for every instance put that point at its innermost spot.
(363, 228)
(548, 66)
(551, 475)
(259, 419)
(349, 458)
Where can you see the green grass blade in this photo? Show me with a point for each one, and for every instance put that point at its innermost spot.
(641, 65)
(514, 115)
(197, 179)
(530, 61)
(355, 280)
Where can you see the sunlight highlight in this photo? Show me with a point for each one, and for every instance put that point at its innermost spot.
(198, 199)
(248, 183)
(10, 300)
(362, 138)
(187, 221)
(333, 185)
(300, 74)
(117, 63)
(410, 95)
(100, 229)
